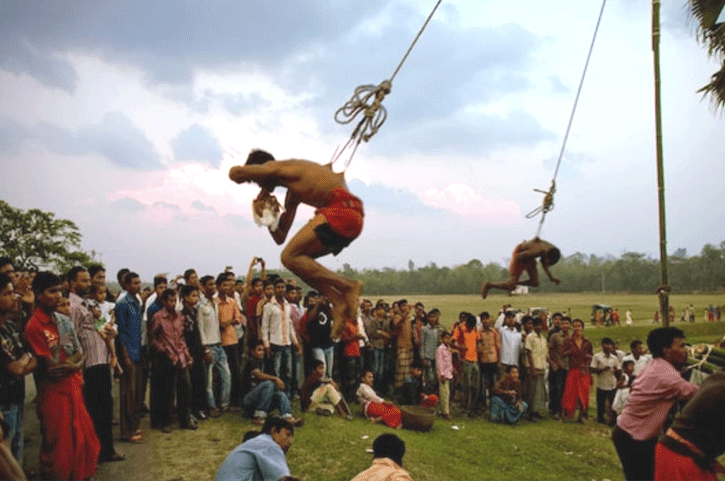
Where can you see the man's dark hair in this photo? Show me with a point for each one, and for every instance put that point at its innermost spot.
(277, 423)
(221, 278)
(159, 279)
(4, 280)
(121, 275)
(511, 368)
(166, 294)
(402, 301)
(128, 277)
(552, 256)
(417, 364)
(419, 304)
(186, 290)
(470, 320)
(94, 269)
(45, 280)
(607, 340)
(203, 281)
(258, 157)
(537, 321)
(566, 319)
(250, 435)
(484, 315)
(188, 273)
(579, 321)
(290, 288)
(509, 313)
(257, 343)
(435, 310)
(389, 446)
(255, 281)
(5, 261)
(268, 282)
(73, 272)
(634, 344)
(626, 363)
(661, 338)
(526, 319)
(279, 281)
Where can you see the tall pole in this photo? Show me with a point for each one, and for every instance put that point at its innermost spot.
(664, 289)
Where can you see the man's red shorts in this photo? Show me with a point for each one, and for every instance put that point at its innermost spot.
(344, 215)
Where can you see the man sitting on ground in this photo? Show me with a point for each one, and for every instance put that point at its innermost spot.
(322, 393)
(266, 391)
(261, 457)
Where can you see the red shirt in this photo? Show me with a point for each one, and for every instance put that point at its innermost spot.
(167, 336)
(352, 346)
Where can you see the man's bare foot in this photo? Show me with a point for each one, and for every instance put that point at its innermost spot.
(484, 291)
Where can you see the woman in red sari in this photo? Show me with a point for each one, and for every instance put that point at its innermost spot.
(578, 381)
(70, 446)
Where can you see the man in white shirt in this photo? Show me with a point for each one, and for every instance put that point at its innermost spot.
(216, 357)
(278, 333)
(605, 364)
(636, 355)
(510, 342)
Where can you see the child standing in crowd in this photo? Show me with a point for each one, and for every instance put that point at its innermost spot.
(626, 378)
(467, 338)
(444, 369)
(351, 357)
(430, 338)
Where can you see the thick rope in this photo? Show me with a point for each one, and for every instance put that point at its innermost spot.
(374, 112)
(548, 203)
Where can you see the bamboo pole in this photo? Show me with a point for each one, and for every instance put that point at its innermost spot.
(664, 289)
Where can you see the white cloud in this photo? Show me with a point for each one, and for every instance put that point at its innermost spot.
(463, 200)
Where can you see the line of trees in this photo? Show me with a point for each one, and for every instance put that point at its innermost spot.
(632, 272)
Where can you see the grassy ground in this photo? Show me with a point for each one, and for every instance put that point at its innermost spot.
(334, 449)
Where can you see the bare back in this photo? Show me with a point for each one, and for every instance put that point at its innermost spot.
(310, 183)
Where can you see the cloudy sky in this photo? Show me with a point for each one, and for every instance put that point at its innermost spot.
(126, 116)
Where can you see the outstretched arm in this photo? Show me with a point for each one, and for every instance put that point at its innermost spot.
(285, 220)
(262, 174)
(551, 278)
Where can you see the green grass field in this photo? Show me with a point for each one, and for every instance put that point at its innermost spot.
(335, 449)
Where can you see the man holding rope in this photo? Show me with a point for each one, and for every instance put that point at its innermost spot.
(337, 222)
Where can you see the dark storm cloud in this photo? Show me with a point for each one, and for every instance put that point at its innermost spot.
(197, 143)
(116, 138)
(167, 39)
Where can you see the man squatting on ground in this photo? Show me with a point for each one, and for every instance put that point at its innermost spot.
(337, 222)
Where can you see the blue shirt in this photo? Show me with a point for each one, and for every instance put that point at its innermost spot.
(128, 320)
(259, 459)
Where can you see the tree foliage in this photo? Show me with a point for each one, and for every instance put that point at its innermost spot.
(712, 35)
(36, 239)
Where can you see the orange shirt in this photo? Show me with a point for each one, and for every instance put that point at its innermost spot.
(228, 314)
(469, 340)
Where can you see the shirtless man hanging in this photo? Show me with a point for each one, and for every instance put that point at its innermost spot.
(524, 259)
(337, 222)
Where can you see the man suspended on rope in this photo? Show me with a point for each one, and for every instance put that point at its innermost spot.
(524, 259)
(337, 222)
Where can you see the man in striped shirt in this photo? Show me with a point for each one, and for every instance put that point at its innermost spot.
(97, 373)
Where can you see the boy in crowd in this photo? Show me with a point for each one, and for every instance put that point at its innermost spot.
(444, 369)
(171, 366)
(351, 361)
(537, 355)
(430, 339)
(605, 365)
(467, 339)
(489, 355)
(322, 393)
(414, 389)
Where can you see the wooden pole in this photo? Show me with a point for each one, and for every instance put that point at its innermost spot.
(664, 289)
